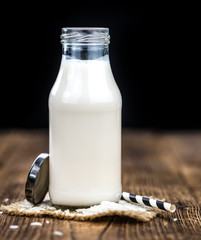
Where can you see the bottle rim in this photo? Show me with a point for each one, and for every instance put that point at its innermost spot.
(85, 36)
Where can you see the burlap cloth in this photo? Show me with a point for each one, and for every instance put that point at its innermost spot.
(106, 208)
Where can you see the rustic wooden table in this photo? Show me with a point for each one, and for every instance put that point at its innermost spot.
(164, 165)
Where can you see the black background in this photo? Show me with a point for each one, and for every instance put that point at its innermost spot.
(153, 52)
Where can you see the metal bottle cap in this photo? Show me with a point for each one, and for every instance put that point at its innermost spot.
(38, 179)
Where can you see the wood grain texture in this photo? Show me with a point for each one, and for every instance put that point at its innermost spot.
(163, 165)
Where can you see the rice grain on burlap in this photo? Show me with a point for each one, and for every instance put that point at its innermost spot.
(106, 208)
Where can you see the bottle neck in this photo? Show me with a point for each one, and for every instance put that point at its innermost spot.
(85, 52)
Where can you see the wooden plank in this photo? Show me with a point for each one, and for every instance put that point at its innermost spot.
(164, 165)
(157, 172)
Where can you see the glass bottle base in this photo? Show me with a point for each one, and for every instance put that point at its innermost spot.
(77, 199)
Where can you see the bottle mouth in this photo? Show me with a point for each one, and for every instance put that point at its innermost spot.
(85, 36)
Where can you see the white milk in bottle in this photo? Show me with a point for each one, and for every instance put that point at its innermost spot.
(85, 122)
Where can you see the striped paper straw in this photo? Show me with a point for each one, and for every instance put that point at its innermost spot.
(150, 202)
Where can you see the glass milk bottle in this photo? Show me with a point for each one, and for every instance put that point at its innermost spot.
(85, 122)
